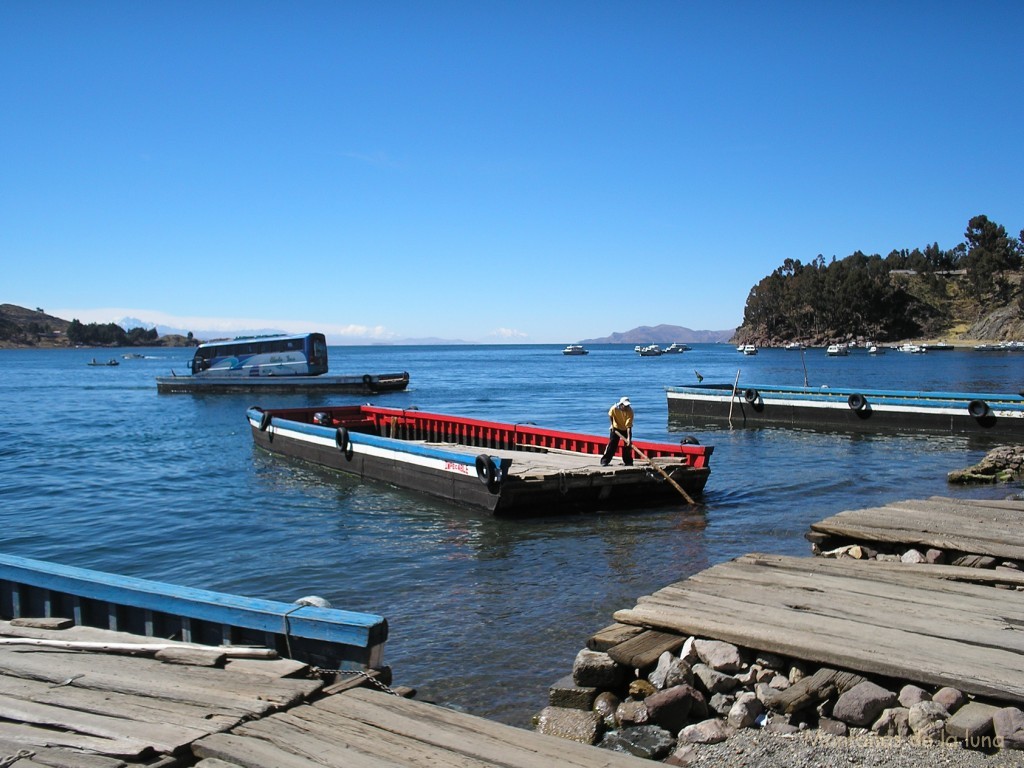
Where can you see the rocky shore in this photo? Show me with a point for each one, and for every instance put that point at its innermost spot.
(1000, 465)
(708, 692)
(701, 701)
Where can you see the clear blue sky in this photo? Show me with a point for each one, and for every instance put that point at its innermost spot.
(487, 171)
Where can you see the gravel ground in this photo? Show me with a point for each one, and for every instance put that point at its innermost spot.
(751, 748)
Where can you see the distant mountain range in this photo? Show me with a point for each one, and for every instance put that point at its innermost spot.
(36, 328)
(664, 334)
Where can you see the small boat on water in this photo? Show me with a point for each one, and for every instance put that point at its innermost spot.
(863, 410)
(294, 363)
(794, 345)
(911, 349)
(95, 362)
(651, 350)
(575, 349)
(837, 350)
(675, 348)
(507, 469)
(747, 349)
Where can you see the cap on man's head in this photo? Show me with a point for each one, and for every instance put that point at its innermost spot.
(623, 402)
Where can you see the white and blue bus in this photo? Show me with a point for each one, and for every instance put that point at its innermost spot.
(303, 354)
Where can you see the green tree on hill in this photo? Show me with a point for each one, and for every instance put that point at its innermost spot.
(907, 294)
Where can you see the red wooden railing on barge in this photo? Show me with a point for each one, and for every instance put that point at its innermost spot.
(404, 424)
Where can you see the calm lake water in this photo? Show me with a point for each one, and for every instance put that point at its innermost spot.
(97, 470)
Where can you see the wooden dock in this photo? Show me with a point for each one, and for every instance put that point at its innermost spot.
(932, 624)
(982, 527)
(364, 728)
(94, 708)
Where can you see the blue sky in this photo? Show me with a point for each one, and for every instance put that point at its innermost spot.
(486, 171)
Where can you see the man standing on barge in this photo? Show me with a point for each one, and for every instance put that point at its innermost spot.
(621, 417)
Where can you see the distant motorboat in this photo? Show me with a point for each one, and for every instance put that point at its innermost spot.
(575, 349)
(95, 362)
(837, 350)
(747, 349)
(675, 348)
(912, 349)
(651, 350)
(794, 345)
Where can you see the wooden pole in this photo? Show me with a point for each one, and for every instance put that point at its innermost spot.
(663, 473)
(732, 399)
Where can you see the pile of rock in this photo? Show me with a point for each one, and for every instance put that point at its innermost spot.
(706, 690)
(1000, 465)
(895, 553)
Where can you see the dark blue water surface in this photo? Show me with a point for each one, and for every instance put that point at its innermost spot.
(97, 470)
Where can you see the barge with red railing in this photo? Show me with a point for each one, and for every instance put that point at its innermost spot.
(507, 469)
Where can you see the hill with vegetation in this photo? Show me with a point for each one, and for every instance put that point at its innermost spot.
(974, 291)
(21, 327)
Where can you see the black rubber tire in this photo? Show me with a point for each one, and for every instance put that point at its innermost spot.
(689, 440)
(751, 395)
(856, 402)
(485, 469)
(264, 421)
(977, 408)
(341, 439)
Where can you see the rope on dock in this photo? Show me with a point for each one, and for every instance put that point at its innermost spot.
(8, 760)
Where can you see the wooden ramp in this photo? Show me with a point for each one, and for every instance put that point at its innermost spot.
(979, 527)
(93, 709)
(363, 728)
(937, 625)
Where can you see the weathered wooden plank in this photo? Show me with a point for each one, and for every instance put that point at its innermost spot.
(255, 753)
(160, 737)
(194, 657)
(936, 573)
(472, 736)
(27, 735)
(934, 664)
(142, 676)
(60, 758)
(384, 743)
(140, 708)
(645, 649)
(894, 518)
(611, 635)
(960, 626)
(856, 531)
(897, 644)
(863, 587)
(315, 734)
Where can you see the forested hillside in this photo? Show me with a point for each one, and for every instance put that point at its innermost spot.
(972, 291)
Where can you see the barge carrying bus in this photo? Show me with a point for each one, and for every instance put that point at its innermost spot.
(285, 363)
(847, 409)
(506, 469)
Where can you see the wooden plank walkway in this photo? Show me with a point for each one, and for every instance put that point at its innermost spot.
(364, 728)
(938, 625)
(100, 710)
(94, 709)
(980, 527)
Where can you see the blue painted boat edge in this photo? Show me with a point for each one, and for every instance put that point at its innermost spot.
(825, 392)
(327, 624)
(389, 443)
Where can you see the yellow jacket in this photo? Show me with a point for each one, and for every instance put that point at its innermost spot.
(621, 418)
